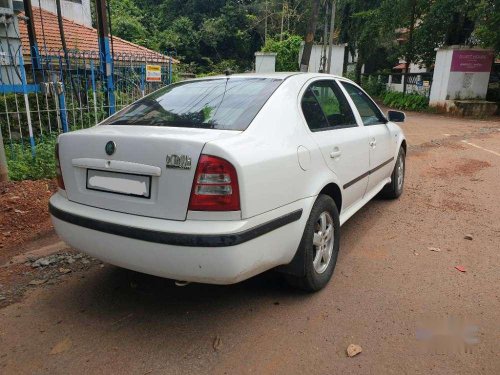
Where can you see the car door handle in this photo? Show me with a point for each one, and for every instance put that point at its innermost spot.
(373, 142)
(335, 154)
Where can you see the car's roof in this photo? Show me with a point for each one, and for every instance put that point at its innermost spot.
(276, 75)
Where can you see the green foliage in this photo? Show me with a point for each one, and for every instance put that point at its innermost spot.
(22, 166)
(487, 15)
(373, 87)
(371, 28)
(182, 37)
(398, 100)
(287, 52)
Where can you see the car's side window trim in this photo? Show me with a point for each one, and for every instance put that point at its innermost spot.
(334, 128)
(360, 119)
(342, 92)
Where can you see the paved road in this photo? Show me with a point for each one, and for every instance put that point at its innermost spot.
(388, 290)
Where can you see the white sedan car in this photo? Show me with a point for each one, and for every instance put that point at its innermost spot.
(218, 179)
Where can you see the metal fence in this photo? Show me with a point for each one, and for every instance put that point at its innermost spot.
(419, 83)
(69, 92)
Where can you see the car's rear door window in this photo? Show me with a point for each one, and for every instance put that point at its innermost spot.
(368, 110)
(220, 103)
(325, 107)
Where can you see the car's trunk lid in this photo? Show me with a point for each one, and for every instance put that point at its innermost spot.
(135, 178)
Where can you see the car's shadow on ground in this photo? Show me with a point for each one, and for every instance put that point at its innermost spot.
(112, 293)
(111, 289)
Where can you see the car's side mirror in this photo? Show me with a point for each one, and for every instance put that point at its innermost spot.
(396, 116)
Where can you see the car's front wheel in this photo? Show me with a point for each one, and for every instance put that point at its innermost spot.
(320, 246)
(394, 189)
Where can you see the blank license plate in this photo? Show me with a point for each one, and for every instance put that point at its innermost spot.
(119, 183)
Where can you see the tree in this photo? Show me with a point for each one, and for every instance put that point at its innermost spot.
(182, 37)
(309, 38)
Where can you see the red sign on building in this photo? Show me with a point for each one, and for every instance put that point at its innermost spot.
(471, 61)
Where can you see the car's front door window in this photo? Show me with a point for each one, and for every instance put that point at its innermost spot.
(369, 112)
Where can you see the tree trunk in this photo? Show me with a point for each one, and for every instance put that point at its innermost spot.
(308, 42)
(330, 41)
(359, 66)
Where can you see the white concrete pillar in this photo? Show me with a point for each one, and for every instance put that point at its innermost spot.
(460, 73)
(265, 62)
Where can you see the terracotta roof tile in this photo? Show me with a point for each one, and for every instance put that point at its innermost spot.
(80, 38)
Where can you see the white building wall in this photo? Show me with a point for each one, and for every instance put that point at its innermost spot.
(336, 64)
(75, 10)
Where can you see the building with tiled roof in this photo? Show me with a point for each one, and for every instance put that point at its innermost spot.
(80, 38)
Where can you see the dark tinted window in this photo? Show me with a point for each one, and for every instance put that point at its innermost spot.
(221, 103)
(325, 107)
(369, 112)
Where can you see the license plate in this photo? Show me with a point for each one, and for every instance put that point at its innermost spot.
(119, 183)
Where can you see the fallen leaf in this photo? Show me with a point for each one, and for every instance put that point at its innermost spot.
(460, 268)
(436, 249)
(468, 237)
(64, 270)
(353, 350)
(37, 282)
(217, 343)
(61, 346)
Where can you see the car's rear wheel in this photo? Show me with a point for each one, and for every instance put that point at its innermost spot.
(320, 246)
(394, 189)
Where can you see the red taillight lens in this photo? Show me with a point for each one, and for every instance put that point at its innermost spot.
(59, 177)
(215, 186)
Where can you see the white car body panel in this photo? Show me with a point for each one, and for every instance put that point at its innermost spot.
(281, 165)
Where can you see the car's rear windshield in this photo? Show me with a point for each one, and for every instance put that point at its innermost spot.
(219, 103)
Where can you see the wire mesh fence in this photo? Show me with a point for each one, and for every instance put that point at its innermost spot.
(69, 92)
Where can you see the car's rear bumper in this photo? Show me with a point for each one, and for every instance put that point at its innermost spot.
(218, 252)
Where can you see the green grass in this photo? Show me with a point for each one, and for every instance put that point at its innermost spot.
(21, 164)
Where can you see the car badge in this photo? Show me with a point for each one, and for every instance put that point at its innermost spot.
(178, 161)
(110, 148)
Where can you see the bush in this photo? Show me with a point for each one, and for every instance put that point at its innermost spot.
(287, 52)
(22, 166)
(373, 87)
(414, 102)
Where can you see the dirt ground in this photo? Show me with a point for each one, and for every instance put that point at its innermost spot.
(395, 290)
(23, 214)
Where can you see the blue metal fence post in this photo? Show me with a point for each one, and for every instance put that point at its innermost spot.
(59, 88)
(94, 91)
(27, 103)
(105, 54)
(169, 68)
(143, 80)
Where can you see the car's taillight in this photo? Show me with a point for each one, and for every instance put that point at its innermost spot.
(59, 177)
(215, 186)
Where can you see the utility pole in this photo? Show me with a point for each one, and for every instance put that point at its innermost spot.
(30, 27)
(4, 172)
(265, 24)
(332, 31)
(282, 21)
(322, 65)
(309, 40)
(105, 55)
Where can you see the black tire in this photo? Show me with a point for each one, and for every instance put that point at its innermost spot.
(313, 280)
(394, 190)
